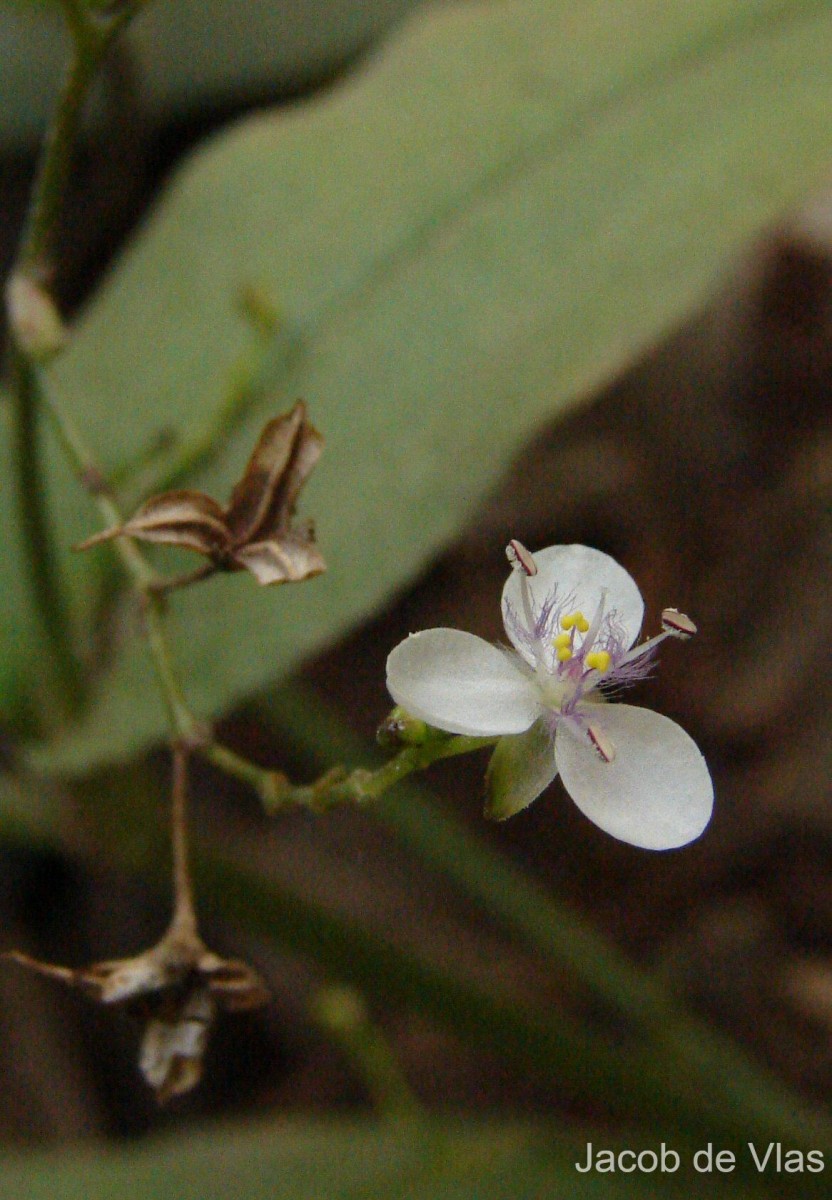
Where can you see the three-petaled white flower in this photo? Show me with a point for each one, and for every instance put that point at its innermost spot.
(573, 616)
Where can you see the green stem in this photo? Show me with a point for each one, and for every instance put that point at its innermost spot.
(38, 538)
(336, 786)
(38, 543)
(341, 1011)
(184, 725)
(360, 785)
(90, 40)
(34, 256)
(265, 783)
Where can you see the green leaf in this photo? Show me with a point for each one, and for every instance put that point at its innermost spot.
(303, 1160)
(481, 226)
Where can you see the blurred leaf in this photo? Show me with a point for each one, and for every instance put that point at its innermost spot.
(481, 226)
(348, 1161)
(29, 815)
(265, 48)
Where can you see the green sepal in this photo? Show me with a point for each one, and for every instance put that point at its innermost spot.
(522, 765)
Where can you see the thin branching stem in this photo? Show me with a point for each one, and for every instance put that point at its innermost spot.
(361, 785)
(184, 922)
(183, 723)
(90, 37)
(41, 561)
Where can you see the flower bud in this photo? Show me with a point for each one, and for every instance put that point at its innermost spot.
(400, 729)
(34, 318)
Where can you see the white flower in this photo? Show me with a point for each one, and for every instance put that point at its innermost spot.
(573, 616)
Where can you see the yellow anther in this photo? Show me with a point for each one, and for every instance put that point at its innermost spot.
(576, 619)
(598, 660)
(561, 640)
(564, 654)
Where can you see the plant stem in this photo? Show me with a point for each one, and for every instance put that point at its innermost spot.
(38, 544)
(342, 1013)
(90, 40)
(33, 258)
(183, 923)
(360, 785)
(336, 785)
(184, 725)
(265, 783)
(36, 248)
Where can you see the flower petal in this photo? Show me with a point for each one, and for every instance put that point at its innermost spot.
(521, 766)
(578, 576)
(656, 792)
(462, 684)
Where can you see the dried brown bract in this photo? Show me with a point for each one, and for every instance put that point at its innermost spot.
(255, 531)
(176, 988)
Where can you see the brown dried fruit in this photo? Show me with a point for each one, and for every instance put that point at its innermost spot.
(177, 988)
(255, 531)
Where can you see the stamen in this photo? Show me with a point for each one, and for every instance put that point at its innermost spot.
(642, 649)
(561, 640)
(575, 620)
(598, 660)
(595, 627)
(674, 624)
(520, 558)
(601, 743)
(677, 624)
(525, 566)
(563, 654)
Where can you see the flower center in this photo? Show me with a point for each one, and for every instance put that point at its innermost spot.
(555, 692)
(573, 656)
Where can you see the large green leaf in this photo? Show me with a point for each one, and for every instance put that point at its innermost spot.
(349, 1161)
(475, 230)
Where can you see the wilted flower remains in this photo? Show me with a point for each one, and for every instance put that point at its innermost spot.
(572, 615)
